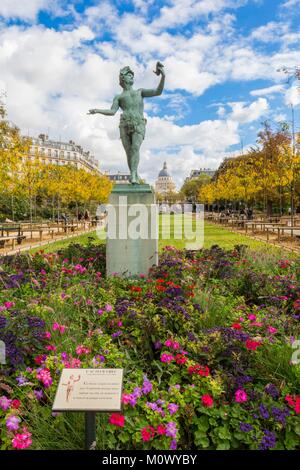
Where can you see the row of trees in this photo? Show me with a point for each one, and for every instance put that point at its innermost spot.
(267, 177)
(29, 188)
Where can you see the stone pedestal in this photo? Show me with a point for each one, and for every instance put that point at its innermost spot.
(132, 230)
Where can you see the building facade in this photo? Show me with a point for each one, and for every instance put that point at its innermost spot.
(164, 183)
(62, 153)
(202, 171)
(120, 178)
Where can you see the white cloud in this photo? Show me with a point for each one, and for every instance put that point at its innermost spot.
(25, 9)
(243, 114)
(280, 117)
(267, 91)
(292, 95)
(290, 4)
(183, 11)
(272, 31)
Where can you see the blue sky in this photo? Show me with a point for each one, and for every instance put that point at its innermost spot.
(59, 58)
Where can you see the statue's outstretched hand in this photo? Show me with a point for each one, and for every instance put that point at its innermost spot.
(159, 69)
(92, 111)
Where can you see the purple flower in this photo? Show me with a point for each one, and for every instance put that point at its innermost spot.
(147, 386)
(4, 403)
(12, 423)
(137, 392)
(152, 406)
(245, 427)
(172, 407)
(64, 356)
(280, 414)
(116, 334)
(171, 430)
(268, 441)
(264, 411)
(21, 380)
(271, 390)
(38, 394)
(173, 444)
(132, 400)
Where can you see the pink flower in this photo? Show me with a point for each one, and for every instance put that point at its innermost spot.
(100, 311)
(166, 357)
(72, 364)
(45, 377)
(47, 335)
(60, 328)
(272, 330)
(89, 302)
(240, 396)
(126, 398)
(4, 403)
(8, 305)
(252, 317)
(80, 350)
(50, 347)
(207, 401)
(12, 423)
(22, 441)
(117, 420)
(168, 343)
(108, 307)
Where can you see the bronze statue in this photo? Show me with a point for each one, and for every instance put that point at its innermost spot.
(132, 122)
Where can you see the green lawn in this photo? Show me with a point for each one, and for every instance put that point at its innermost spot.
(213, 235)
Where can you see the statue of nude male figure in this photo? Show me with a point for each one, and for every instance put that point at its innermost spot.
(132, 122)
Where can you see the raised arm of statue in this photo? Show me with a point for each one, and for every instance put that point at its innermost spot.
(147, 93)
(107, 112)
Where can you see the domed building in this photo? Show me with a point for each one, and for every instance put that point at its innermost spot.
(164, 183)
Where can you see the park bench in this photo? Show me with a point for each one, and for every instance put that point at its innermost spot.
(13, 239)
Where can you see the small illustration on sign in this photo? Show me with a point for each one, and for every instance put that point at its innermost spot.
(70, 386)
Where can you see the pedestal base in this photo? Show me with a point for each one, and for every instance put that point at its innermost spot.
(132, 230)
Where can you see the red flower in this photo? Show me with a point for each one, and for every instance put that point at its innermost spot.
(160, 288)
(117, 420)
(180, 359)
(147, 433)
(161, 429)
(39, 359)
(203, 371)
(136, 289)
(207, 401)
(252, 345)
(236, 326)
(294, 402)
(15, 404)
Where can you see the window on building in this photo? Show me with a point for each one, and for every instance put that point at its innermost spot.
(56, 153)
(49, 152)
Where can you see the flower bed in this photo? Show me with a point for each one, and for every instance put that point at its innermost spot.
(207, 343)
